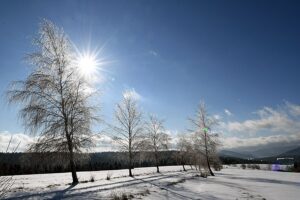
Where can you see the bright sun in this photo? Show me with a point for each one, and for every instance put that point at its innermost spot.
(87, 65)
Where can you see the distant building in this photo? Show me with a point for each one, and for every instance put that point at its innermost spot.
(285, 160)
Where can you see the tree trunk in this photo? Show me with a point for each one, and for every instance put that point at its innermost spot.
(73, 169)
(208, 165)
(207, 159)
(72, 162)
(130, 163)
(130, 173)
(156, 162)
(183, 167)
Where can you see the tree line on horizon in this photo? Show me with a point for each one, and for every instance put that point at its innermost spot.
(40, 163)
(57, 106)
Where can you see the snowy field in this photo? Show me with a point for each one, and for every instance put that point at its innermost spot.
(172, 183)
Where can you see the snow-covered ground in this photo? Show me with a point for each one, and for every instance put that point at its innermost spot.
(171, 183)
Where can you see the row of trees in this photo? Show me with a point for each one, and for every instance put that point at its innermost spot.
(57, 106)
(132, 134)
(197, 148)
(55, 162)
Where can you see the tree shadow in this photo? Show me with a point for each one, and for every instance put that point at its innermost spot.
(169, 189)
(118, 185)
(184, 191)
(60, 194)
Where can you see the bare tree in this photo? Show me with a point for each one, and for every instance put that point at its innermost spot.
(54, 96)
(205, 140)
(198, 149)
(129, 127)
(185, 151)
(158, 140)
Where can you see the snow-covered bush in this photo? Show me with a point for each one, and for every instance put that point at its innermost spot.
(203, 174)
(120, 196)
(92, 178)
(108, 176)
(243, 166)
(217, 165)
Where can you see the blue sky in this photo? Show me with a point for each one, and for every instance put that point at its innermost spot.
(242, 56)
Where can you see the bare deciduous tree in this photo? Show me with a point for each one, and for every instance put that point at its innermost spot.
(157, 139)
(185, 151)
(54, 97)
(206, 141)
(129, 128)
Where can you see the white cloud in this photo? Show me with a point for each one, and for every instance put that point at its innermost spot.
(274, 120)
(153, 53)
(132, 93)
(17, 139)
(281, 126)
(293, 109)
(102, 142)
(236, 142)
(227, 112)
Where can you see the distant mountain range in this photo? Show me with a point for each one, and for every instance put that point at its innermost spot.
(227, 153)
(263, 153)
(291, 153)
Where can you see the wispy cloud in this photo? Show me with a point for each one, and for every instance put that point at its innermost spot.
(293, 109)
(273, 140)
(132, 93)
(274, 120)
(279, 125)
(153, 53)
(227, 112)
